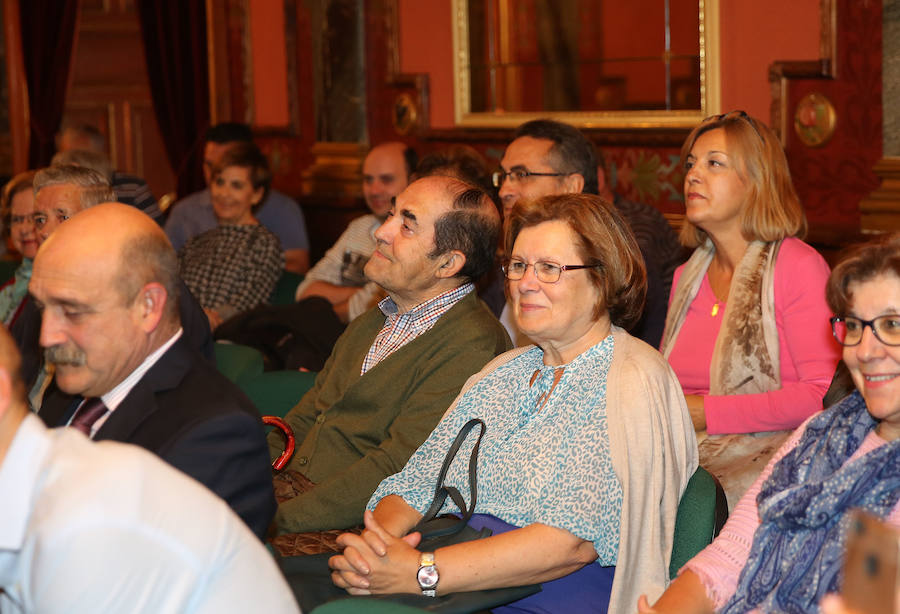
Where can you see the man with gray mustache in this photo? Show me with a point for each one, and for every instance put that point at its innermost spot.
(64, 356)
(106, 282)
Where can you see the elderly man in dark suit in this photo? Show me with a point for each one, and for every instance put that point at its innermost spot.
(107, 284)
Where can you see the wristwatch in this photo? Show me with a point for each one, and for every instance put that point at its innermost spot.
(428, 574)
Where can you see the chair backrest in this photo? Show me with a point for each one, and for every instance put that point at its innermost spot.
(238, 362)
(283, 294)
(702, 511)
(275, 392)
(8, 269)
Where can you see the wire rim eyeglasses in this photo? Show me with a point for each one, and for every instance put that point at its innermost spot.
(848, 330)
(498, 177)
(547, 272)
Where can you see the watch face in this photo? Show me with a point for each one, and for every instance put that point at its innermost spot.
(427, 576)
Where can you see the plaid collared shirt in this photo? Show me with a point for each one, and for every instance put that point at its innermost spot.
(401, 328)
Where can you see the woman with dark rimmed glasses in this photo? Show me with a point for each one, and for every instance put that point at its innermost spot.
(746, 330)
(783, 547)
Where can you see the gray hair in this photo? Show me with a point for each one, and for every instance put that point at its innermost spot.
(85, 158)
(94, 190)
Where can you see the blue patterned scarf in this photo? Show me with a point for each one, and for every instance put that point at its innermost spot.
(804, 506)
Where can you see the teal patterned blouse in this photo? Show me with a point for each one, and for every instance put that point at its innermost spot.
(545, 454)
(12, 294)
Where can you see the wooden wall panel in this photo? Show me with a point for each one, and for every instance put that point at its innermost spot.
(831, 180)
(109, 89)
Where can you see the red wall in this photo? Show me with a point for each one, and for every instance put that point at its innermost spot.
(752, 36)
(426, 46)
(270, 92)
(755, 34)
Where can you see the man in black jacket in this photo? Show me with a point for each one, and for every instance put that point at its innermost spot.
(107, 284)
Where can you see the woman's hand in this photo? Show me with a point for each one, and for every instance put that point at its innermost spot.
(685, 595)
(644, 606)
(376, 561)
(834, 604)
(695, 408)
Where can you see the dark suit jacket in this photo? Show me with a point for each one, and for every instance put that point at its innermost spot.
(195, 419)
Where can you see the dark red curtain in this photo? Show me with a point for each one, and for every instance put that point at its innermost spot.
(174, 36)
(48, 29)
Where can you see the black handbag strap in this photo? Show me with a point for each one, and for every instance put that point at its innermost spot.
(441, 491)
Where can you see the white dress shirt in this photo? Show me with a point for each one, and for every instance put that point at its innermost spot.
(108, 527)
(114, 397)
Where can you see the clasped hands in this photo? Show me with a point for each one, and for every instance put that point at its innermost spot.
(376, 561)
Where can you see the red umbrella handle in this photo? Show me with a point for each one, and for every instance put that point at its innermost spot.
(288, 433)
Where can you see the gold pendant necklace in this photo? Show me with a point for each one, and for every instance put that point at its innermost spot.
(715, 309)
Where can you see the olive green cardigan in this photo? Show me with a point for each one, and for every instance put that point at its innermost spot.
(353, 431)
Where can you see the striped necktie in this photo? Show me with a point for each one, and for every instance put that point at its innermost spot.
(85, 416)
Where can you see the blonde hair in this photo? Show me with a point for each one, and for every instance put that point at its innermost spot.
(772, 210)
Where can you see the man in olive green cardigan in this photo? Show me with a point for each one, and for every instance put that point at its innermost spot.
(397, 367)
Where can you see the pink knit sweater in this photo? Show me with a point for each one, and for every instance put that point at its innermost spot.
(719, 564)
(808, 354)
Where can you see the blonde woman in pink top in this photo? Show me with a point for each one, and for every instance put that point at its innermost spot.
(782, 548)
(747, 328)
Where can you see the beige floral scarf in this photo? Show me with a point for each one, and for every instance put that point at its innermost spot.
(745, 358)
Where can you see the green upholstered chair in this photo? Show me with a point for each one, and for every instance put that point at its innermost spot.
(275, 392)
(283, 294)
(238, 362)
(8, 269)
(702, 511)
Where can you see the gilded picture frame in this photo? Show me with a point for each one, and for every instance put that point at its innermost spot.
(710, 86)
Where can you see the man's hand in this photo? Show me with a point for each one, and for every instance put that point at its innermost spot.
(376, 561)
(332, 293)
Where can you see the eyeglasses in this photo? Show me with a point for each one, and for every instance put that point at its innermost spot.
(740, 115)
(519, 175)
(849, 330)
(547, 272)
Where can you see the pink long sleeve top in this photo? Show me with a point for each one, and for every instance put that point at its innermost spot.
(719, 565)
(808, 354)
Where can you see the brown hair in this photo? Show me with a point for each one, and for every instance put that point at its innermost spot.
(772, 210)
(604, 239)
(861, 263)
(247, 155)
(21, 182)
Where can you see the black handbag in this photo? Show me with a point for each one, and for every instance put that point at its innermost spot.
(310, 576)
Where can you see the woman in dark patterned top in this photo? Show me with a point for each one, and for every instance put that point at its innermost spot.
(234, 267)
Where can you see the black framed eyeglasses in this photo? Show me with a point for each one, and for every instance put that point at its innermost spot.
(740, 115)
(547, 272)
(848, 330)
(519, 175)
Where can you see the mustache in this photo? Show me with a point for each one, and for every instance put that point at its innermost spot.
(64, 355)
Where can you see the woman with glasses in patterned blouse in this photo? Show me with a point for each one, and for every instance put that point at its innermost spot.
(588, 444)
